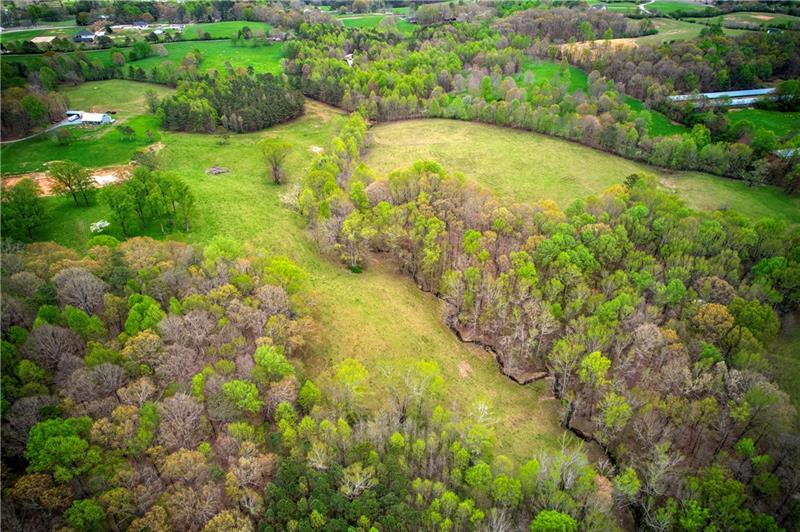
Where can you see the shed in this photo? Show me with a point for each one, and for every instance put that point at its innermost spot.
(96, 118)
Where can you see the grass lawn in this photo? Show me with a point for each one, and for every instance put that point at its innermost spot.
(372, 21)
(395, 319)
(215, 53)
(781, 123)
(93, 146)
(223, 29)
(62, 28)
(674, 30)
(671, 6)
(763, 20)
(549, 70)
(545, 167)
(660, 124)
(124, 97)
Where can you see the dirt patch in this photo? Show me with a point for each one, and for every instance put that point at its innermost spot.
(464, 369)
(101, 176)
(155, 148)
(316, 149)
(763, 17)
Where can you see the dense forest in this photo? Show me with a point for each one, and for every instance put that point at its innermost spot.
(238, 103)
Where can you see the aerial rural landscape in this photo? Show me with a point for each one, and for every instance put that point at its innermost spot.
(400, 265)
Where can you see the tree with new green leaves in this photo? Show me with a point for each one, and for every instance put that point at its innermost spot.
(309, 395)
(593, 369)
(350, 384)
(71, 178)
(271, 364)
(627, 486)
(23, 210)
(117, 198)
(86, 515)
(243, 395)
(507, 491)
(479, 477)
(59, 446)
(145, 313)
(553, 521)
(275, 152)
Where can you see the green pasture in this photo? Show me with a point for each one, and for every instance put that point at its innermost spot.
(524, 166)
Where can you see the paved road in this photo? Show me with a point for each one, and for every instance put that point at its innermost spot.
(29, 28)
(50, 128)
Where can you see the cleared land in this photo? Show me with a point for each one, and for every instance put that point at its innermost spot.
(224, 29)
(782, 124)
(92, 146)
(523, 166)
(756, 20)
(396, 320)
(215, 53)
(372, 21)
(675, 30)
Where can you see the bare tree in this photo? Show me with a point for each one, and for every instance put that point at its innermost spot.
(48, 344)
(80, 288)
(180, 422)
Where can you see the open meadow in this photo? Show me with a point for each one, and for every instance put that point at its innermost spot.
(263, 58)
(779, 122)
(548, 168)
(756, 20)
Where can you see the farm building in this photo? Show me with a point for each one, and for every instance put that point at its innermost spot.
(726, 98)
(92, 119)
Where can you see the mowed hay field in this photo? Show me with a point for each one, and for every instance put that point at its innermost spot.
(396, 321)
(525, 166)
(263, 58)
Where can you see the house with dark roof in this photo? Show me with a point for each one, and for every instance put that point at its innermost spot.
(84, 36)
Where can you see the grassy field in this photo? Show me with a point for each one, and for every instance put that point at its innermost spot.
(667, 7)
(762, 20)
(544, 167)
(781, 123)
(224, 29)
(784, 357)
(660, 124)
(675, 30)
(395, 319)
(214, 53)
(372, 21)
(92, 146)
(124, 97)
